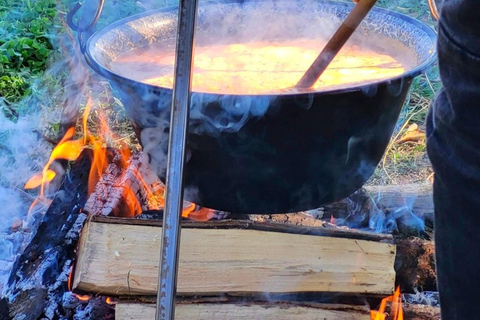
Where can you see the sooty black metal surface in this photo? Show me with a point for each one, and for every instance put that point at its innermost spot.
(273, 153)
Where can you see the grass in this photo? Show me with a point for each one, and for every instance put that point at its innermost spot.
(408, 162)
(25, 48)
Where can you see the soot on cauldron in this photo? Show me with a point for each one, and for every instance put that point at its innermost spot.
(252, 147)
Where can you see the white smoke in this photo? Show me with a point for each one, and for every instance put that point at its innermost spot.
(23, 153)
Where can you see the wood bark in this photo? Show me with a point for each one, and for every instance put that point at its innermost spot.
(218, 311)
(116, 259)
(319, 230)
(421, 312)
(415, 265)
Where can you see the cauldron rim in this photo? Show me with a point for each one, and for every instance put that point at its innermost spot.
(109, 74)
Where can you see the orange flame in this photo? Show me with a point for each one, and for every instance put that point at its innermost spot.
(69, 149)
(332, 219)
(396, 310)
(69, 281)
(37, 179)
(99, 161)
(82, 297)
(202, 214)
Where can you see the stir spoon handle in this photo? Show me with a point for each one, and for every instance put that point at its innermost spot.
(335, 44)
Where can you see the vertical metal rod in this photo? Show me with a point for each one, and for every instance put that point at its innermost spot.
(167, 278)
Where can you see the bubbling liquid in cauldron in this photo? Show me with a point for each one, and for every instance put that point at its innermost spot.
(261, 67)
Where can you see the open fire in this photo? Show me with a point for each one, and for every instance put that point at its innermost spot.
(70, 149)
(116, 179)
(396, 310)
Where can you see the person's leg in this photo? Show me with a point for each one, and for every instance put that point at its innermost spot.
(453, 129)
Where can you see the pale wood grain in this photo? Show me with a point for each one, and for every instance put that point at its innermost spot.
(215, 311)
(115, 259)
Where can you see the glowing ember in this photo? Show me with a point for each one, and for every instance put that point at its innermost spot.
(258, 67)
(396, 311)
(82, 297)
(332, 219)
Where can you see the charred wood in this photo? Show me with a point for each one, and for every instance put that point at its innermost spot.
(38, 281)
(123, 191)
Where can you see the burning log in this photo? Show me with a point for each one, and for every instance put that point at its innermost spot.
(250, 310)
(38, 282)
(122, 259)
(123, 189)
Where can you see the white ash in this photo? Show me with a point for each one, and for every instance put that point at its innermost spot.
(74, 233)
(95, 309)
(22, 154)
(429, 298)
(52, 296)
(315, 213)
(31, 283)
(70, 300)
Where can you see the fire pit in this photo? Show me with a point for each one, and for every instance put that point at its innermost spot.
(255, 146)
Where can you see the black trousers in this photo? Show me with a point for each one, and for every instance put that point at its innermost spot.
(453, 144)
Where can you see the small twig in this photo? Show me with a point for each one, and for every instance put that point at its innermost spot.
(392, 142)
(430, 84)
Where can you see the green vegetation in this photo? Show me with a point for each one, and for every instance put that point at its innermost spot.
(25, 44)
(408, 162)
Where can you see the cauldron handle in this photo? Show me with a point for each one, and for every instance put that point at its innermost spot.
(335, 44)
(87, 28)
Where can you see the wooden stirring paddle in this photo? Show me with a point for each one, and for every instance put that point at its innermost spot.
(336, 43)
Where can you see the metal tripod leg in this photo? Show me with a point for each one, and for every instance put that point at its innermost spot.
(167, 279)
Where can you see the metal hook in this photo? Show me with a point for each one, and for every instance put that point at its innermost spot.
(87, 27)
(74, 10)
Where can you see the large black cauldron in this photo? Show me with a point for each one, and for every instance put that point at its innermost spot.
(268, 153)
